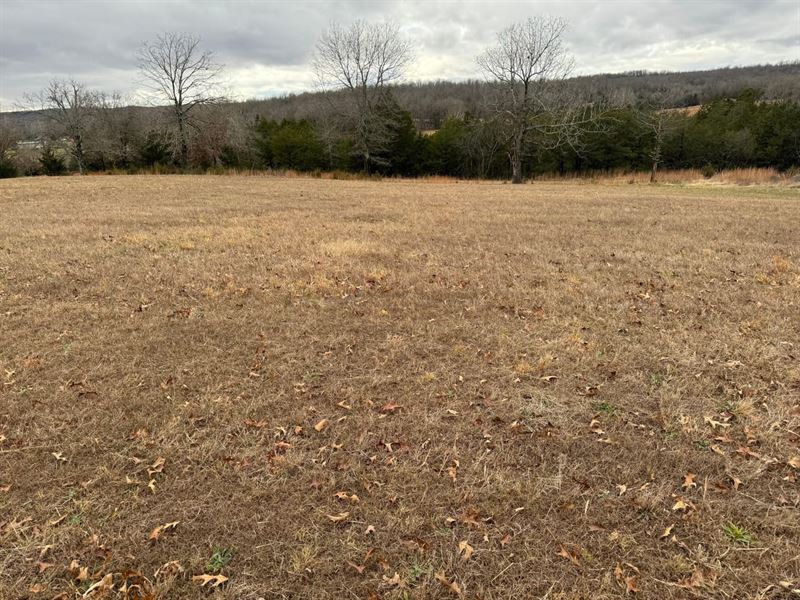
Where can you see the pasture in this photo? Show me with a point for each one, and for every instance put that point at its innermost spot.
(253, 387)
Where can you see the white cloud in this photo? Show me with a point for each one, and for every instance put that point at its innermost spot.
(267, 46)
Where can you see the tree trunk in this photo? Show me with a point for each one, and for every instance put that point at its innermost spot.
(183, 150)
(653, 172)
(516, 159)
(79, 153)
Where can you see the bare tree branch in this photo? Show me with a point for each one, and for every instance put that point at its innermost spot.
(175, 69)
(363, 59)
(70, 106)
(529, 65)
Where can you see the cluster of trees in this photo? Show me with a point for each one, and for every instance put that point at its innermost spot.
(528, 117)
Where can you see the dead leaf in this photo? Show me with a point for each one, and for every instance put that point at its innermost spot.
(714, 424)
(630, 585)
(452, 470)
(152, 486)
(162, 529)
(622, 488)
(352, 498)
(506, 540)
(210, 580)
(43, 566)
(338, 518)
(260, 424)
(667, 532)
(359, 568)
(321, 425)
(393, 580)
(688, 481)
(78, 572)
(465, 550)
(105, 584)
(172, 567)
(37, 588)
(794, 462)
(157, 467)
(59, 456)
(569, 555)
(390, 407)
(450, 585)
(682, 504)
(747, 452)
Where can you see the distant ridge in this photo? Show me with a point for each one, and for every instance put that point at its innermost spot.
(430, 103)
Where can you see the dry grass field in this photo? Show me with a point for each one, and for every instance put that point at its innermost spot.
(250, 387)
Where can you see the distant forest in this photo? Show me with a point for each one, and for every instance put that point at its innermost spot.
(712, 120)
(430, 104)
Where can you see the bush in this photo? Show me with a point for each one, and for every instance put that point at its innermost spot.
(155, 150)
(708, 171)
(52, 164)
(7, 170)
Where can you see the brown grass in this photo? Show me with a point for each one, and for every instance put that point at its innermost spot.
(397, 390)
(760, 176)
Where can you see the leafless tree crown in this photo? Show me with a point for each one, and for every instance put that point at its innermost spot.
(175, 68)
(529, 52)
(362, 56)
(529, 65)
(70, 107)
(363, 60)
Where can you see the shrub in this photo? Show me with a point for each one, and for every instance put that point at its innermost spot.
(708, 171)
(52, 164)
(7, 170)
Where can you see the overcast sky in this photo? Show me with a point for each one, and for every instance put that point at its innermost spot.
(266, 46)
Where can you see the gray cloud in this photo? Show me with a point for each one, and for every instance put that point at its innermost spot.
(267, 46)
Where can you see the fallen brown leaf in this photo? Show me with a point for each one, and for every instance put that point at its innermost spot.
(43, 566)
(465, 550)
(162, 529)
(359, 568)
(105, 584)
(78, 572)
(210, 580)
(450, 585)
(569, 555)
(338, 518)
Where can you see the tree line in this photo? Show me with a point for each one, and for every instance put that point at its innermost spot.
(527, 118)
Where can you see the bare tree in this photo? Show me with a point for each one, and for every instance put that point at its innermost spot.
(658, 121)
(529, 64)
(175, 68)
(363, 60)
(70, 106)
(9, 136)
